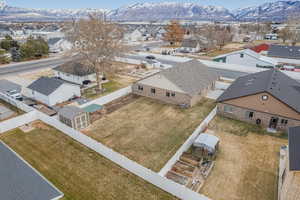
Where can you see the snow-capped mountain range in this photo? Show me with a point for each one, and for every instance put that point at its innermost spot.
(277, 11)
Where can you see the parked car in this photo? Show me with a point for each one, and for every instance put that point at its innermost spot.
(14, 94)
(150, 57)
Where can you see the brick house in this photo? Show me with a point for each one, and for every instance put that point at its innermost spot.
(183, 84)
(269, 98)
(289, 167)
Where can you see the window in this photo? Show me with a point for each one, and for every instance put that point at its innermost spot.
(153, 90)
(284, 122)
(265, 97)
(173, 94)
(242, 55)
(168, 94)
(78, 121)
(228, 109)
(249, 114)
(141, 88)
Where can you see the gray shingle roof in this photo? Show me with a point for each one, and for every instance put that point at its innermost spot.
(46, 85)
(19, 181)
(75, 68)
(291, 52)
(70, 112)
(294, 148)
(192, 76)
(274, 82)
(188, 43)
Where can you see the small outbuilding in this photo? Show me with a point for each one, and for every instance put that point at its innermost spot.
(51, 91)
(76, 72)
(74, 117)
(206, 145)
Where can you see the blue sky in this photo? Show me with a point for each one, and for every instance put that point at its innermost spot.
(110, 4)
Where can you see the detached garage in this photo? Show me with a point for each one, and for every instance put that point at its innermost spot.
(52, 91)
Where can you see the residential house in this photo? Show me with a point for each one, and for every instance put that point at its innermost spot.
(74, 117)
(248, 58)
(288, 55)
(75, 72)
(289, 168)
(134, 36)
(193, 44)
(183, 84)
(268, 98)
(52, 91)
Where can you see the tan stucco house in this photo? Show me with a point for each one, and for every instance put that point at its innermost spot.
(183, 84)
(269, 98)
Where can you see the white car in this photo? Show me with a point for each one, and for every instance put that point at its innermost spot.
(14, 94)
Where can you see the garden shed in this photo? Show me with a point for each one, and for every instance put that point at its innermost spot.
(206, 145)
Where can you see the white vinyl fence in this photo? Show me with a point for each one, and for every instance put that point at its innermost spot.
(110, 97)
(13, 123)
(16, 103)
(188, 143)
(161, 182)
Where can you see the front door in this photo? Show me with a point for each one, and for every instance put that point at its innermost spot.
(273, 122)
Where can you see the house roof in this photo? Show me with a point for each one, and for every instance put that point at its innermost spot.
(75, 68)
(292, 52)
(46, 85)
(191, 76)
(70, 112)
(260, 48)
(252, 54)
(18, 180)
(294, 148)
(189, 43)
(272, 81)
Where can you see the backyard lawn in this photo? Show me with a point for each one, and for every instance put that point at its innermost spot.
(109, 87)
(246, 164)
(147, 131)
(80, 173)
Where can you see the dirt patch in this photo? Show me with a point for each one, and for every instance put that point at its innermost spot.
(246, 165)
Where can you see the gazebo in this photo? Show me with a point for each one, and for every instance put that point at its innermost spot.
(206, 145)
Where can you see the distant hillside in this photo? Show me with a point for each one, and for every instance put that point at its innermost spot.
(276, 11)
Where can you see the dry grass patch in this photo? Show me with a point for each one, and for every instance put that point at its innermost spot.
(148, 131)
(80, 173)
(247, 162)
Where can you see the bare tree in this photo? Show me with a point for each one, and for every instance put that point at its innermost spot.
(285, 34)
(174, 33)
(223, 37)
(292, 23)
(97, 42)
